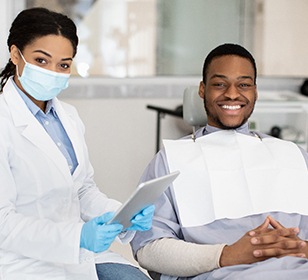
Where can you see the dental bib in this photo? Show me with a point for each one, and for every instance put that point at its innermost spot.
(231, 175)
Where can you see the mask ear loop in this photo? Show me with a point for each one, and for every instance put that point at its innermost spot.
(22, 56)
(17, 64)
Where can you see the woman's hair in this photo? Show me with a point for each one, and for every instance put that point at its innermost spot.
(32, 24)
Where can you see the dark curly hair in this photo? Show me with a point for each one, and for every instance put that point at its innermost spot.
(31, 24)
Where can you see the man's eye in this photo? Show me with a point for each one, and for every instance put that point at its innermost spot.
(245, 85)
(219, 85)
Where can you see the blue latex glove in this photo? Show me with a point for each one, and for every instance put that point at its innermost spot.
(143, 220)
(96, 236)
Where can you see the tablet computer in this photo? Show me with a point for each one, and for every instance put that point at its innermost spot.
(144, 195)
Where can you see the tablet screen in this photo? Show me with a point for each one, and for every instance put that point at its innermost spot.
(144, 195)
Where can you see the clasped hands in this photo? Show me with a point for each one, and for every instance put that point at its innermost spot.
(97, 235)
(265, 242)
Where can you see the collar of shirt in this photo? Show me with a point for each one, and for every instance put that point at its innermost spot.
(34, 109)
(210, 129)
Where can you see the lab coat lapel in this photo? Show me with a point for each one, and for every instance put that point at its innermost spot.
(31, 129)
(71, 129)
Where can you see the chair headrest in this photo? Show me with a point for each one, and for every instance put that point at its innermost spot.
(193, 107)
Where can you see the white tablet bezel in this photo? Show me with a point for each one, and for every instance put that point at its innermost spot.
(144, 195)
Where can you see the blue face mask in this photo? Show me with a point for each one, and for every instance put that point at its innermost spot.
(40, 83)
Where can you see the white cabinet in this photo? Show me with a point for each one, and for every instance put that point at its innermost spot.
(287, 111)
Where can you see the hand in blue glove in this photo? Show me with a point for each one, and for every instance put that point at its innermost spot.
(143, 220)
(96, 236)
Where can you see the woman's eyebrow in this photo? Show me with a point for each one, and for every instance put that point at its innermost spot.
(40, 51)
(49, 55)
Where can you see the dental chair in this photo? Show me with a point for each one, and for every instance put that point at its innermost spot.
(193, 108)
(194, 115)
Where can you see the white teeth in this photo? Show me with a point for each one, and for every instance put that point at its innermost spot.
(235, 107)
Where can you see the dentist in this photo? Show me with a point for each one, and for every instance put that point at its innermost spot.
(52, 215)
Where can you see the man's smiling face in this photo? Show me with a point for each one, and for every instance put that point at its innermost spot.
(229, 91)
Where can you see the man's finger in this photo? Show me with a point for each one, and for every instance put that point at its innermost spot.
(261, 227)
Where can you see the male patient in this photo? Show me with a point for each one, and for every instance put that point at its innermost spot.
(239, 209)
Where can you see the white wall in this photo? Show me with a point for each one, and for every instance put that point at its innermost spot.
(121, 138)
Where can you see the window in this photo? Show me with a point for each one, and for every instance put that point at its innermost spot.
(144, 38)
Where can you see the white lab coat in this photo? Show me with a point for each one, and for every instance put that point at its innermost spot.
(41, 203)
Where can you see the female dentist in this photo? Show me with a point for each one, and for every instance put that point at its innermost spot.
(52, 215)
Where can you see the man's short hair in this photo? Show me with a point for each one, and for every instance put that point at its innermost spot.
(228, 49)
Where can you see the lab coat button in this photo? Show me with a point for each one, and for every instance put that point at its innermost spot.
(46, 122)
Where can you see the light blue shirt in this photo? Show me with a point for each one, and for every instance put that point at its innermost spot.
(53, 126)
